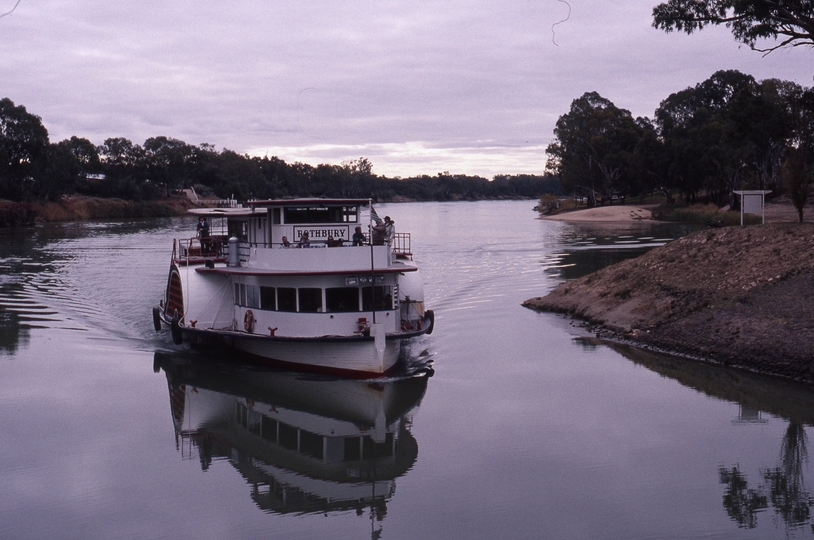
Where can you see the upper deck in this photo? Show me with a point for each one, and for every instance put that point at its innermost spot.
(271, 239)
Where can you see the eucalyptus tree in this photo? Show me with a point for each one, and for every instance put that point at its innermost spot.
(277, 175)
(649, 164)
(798, 169)
(69, 164)
(764, 121)
(124, 169)
(167, 162)
(85, 153)
(593, 148)
(23, 150)
(239, 177)
(121, 158)
(705, 135)
(786, 23)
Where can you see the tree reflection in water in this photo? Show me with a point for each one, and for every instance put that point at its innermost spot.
(741, 503)
(785, 486)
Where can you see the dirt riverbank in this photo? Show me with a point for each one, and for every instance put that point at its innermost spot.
(79, 208)
(740, 296)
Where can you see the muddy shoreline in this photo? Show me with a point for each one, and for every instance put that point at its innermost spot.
(737, 296)
(81, 208)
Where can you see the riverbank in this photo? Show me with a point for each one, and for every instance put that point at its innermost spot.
(740, 296)
(80, 208)
(776, 210)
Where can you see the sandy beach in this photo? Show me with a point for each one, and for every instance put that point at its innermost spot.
(779, 210)
(616, 213)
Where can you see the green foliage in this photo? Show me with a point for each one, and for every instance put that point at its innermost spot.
(33, 168)
(706, 143)
(702, 213)
(548, 203)
(749, 20)
(798, 173)
(594, 147)
(728, 132)
(23, 150)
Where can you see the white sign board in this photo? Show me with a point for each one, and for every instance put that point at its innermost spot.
(752, 203)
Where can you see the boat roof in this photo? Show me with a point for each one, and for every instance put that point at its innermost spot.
(395, 268)
(308, 202)
(258, 206)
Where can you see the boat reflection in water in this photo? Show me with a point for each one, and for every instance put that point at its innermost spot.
(304, 443)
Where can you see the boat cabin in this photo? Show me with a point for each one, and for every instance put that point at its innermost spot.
(284, 223)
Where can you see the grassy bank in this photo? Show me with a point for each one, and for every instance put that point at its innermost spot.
(702, 213)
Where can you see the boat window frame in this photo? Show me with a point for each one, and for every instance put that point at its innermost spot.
(329, 302)
(282, 293)
(302, 298)
(383, 292)
(264, 292)
(320, 214)
(252, 296)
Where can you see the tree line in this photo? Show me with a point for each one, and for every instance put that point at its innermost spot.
(33, 168)
(727, 133)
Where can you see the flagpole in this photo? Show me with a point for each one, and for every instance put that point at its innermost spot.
(372, 266)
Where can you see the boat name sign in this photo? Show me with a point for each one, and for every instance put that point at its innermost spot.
(322, 233)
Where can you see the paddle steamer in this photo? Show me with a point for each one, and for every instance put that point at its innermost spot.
(282, 280)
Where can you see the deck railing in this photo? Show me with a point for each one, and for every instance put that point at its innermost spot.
(402, 244)
(218, 247)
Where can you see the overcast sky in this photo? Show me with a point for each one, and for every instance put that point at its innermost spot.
(417, 87)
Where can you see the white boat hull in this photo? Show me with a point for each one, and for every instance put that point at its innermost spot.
(328, 356)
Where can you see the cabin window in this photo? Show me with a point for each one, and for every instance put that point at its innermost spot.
(310, 300)
(240, 230)
(373, 450)
(314, 214)
(269, 429)
(275, 216)
(353, 449)
(252, 296)
(268, 298)
(237, 294)
(288, 436)
(311, 444)
(320, 214)
(249, 419)
(334, 449)
(349, 214)
(340, 299)
(286, 299)
(241, 412)
(242, 301)
(378, 297)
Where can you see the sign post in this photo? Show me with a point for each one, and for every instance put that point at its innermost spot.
(753, 202)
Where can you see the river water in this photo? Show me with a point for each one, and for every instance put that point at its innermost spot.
(526, 428)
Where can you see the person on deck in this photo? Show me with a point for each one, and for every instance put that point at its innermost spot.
(358, 237)
(389, 230)
(377, 233)
(285, 242)
(304, 241)
(203, 227)
(203, 233)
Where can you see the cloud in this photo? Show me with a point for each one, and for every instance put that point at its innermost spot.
(417, 87)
